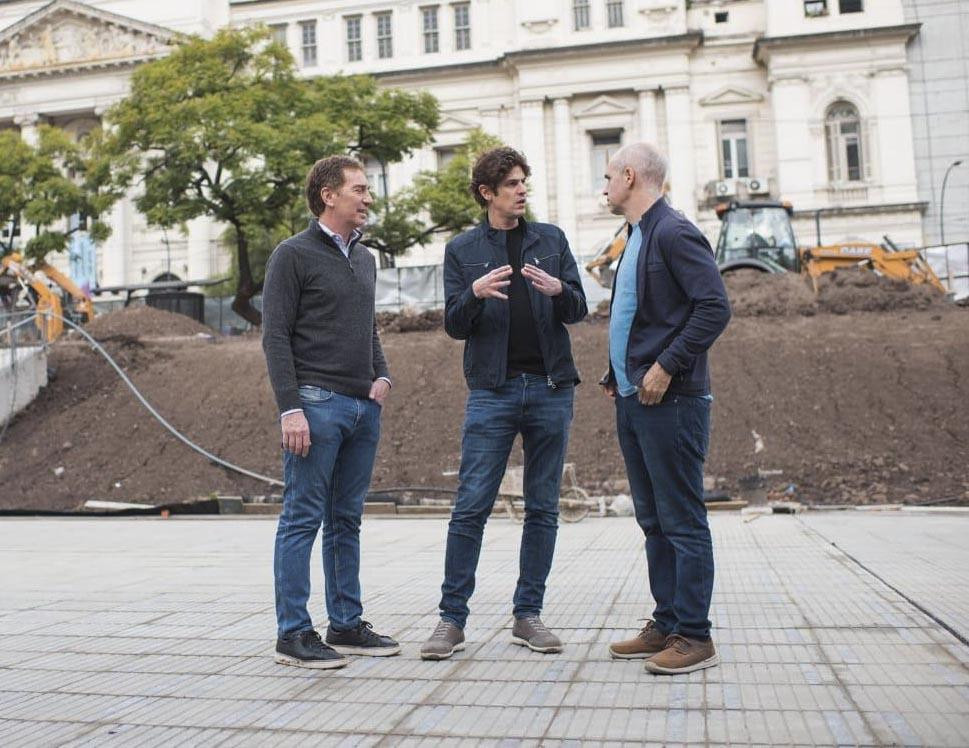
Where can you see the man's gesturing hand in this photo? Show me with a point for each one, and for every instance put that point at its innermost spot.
(654, 385)
(542, 281)
(296, 434)
(490, 284)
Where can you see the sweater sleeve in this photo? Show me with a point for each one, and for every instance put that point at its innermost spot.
(691, 262)
(280, 301)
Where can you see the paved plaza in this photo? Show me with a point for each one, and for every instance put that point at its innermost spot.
(834, 628)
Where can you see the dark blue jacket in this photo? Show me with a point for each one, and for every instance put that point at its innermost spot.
(483, 323)
(682, 303)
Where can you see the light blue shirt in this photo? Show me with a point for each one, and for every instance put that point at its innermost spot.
(344, 247)
(624, 304)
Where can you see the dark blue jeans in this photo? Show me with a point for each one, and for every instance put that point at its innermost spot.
(327, 487)
(664, 447)
(523, 405)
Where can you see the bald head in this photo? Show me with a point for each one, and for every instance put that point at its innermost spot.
(646, 161)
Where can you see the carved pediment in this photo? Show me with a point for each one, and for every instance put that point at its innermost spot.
(66, 36)
(604, 105)
(454, 123)
(731, 95)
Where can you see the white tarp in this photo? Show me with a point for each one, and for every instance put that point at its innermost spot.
(951, 263)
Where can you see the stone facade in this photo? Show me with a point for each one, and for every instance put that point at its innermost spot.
(771, 99)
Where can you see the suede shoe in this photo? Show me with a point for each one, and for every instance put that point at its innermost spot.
(683, 655)
(531, 632)
(646, 643)
(444, 642)
(362, 640)
(306, 649)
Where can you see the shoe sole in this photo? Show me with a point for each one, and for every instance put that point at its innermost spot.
(544, 650)
(660, 670)
(282, 659)
(442, 655)
(633, 656)
(366, 651)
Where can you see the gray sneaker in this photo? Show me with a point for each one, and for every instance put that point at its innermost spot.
(444, 642)
(531, 632)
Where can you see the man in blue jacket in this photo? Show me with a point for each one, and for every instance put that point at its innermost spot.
(511, 286)
(668, 306)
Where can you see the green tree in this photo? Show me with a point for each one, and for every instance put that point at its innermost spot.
(436, 202)
(44, 185)
(225, 128)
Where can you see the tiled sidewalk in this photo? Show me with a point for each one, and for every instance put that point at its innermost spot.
(152, 632)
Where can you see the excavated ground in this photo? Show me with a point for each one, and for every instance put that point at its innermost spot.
(849, 404)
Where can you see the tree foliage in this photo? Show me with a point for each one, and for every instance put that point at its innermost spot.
(225, 128)
(436, 202)
(44, 185)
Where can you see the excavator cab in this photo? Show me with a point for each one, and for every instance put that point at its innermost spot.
(756, 236)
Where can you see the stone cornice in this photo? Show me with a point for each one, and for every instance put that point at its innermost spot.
(856, 210)
(766, 44)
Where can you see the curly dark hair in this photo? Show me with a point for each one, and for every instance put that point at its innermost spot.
(492, 167)
(327, 172)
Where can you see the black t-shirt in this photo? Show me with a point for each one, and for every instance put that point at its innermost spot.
(524, 353)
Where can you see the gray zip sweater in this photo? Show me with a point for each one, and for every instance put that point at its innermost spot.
(318, 324)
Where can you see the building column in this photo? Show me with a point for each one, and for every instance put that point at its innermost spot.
(648, 131)
(28, 127)
(564, 170)
(679, 128)
(891, 149)
(533, 146)
(794, 142)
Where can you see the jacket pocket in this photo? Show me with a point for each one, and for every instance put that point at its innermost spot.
(474, 270)
(549, 263)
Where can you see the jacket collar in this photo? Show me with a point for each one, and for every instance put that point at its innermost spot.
(656, 211)
(494, 236)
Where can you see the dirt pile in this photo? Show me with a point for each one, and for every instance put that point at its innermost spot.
(143, 322)
(857, 290)
(410, 320)
(756, 294)
(859, 408)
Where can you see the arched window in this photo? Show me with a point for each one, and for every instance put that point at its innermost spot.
(846, 153)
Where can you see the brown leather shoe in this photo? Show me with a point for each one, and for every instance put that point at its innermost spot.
(647, 642)
(683, 655)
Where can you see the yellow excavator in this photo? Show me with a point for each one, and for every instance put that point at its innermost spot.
(39, 277)
(757, 235)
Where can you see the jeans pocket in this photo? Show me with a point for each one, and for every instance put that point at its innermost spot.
(310, 393)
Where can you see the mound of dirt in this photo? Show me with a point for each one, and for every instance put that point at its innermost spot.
(143, 322)
(756, 294)
(410, 320)
(848, 408)
(857, 290)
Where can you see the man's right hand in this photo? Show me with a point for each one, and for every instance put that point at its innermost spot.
(296, 433)
(609, 388)
(489, 285)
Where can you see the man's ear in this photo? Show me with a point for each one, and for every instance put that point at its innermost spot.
(629, 175)
(485, 192)
(325, 192)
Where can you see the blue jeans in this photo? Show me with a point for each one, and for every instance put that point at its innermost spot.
(664, 447)
(327, 487)
(523, 405)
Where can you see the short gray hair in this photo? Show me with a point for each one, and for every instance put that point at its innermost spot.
(646, 161)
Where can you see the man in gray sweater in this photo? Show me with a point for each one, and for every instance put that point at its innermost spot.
(330, 379)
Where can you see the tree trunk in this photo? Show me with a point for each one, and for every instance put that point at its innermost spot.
(242, 303)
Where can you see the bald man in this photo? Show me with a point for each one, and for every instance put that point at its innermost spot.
(668, 307)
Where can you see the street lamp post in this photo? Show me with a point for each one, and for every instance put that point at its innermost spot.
(945, 179)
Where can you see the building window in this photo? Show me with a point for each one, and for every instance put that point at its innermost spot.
(846, 154)
(354, 41)
(580, 14)
(445, 155)
(722, 17)
(385, 35)
(462, 26)
(733, 149)
(815, 8)
(429, 27)
(376, 175)
(614, 13)
(850, 6)
(308, 37)
(604, 146)
(278, 33)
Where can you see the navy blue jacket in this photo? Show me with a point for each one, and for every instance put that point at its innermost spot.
(682, 303)
(483, 323)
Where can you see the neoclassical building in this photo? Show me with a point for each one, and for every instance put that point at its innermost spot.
(803, 100)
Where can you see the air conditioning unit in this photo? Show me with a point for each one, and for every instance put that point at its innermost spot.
(758, 186)
(722, 188)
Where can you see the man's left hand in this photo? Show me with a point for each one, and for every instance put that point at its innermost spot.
(379, 390)
(654, 385)
(542, 281)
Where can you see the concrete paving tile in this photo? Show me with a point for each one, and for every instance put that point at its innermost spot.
(29, 733)
(499, 693)
(136, 736)
(135, 684)
(37, 681)
(67, 707)
(478, 721)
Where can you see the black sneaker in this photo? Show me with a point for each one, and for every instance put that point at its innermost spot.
(362, 640)
(306, 649)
